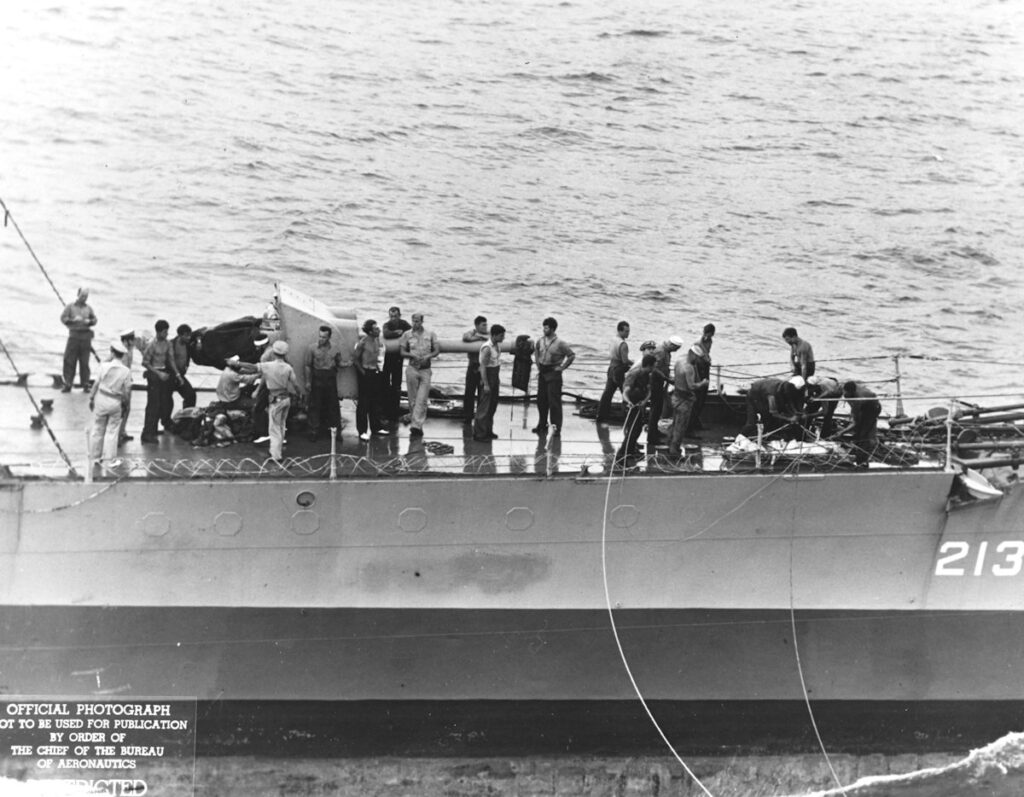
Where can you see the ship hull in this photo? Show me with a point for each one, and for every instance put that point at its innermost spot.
(465, 655)
(761, 587)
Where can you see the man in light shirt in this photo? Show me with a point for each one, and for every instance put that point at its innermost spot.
(419, 347)
(109, 395)
(490, 365)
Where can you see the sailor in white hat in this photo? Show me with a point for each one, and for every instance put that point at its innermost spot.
(660, 377)
(110, 393)
(279, 377)
(131, 343)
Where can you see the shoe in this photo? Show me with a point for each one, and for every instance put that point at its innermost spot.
(261, 440)
(481, 439)
(539, 430)
(125, 438)
(66, 389)
(494, 436)
(366, 435)
(148, 438)
(414, 432)
(382, 432)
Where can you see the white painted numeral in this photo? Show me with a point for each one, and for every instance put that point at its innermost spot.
(1013, 553)
(944, 566)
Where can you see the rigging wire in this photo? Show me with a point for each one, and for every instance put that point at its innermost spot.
(9, 217)
(41, 415)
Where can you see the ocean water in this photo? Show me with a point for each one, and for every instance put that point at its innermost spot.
(852, 169)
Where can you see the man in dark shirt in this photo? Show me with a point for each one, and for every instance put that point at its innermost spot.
(161, 375)
(636, 390)
(478, 335)
(774, 402)
(801, 354)
(322, 364)
(553, 356)
(703, 366)
(618, 364)
(182, 360)
(393, 329)
(660, 377)
(864, 411)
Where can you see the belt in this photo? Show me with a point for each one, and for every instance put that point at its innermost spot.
(279, 397)
(110, 393)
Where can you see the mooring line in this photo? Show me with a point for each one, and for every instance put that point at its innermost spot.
(796, 647)
(618, 642)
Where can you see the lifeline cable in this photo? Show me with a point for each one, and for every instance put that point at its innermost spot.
(41, 416)
(618, 642)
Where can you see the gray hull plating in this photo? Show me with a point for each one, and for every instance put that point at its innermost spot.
(494, 588)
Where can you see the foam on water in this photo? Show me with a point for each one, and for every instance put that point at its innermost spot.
(995, 769)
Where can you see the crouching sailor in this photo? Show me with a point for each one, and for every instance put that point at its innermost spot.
(110, 394)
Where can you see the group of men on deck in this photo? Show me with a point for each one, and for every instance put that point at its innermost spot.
(266, 388)
(779, 406)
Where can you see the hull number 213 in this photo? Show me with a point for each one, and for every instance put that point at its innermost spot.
(957, 559)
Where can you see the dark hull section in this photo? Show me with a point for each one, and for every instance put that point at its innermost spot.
(485, 728)
(541, 655)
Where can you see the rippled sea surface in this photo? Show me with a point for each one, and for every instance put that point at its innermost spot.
(852, 169)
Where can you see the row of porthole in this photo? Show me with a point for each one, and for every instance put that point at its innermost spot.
(411, 519)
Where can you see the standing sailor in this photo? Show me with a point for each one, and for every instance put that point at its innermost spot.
(110, 393)
(322, 364)
(130, 343)
(79, 318)
(684, 395)
(703, 366)
(618, 364)
(478, 334)
(636, 390)
(182, 360)
(367, 362)
(419, 346)
(864, 411)
(393, 329)
(553, 356)
(281, 386)
(801, 354)
(660, 377)
(490, 384)
(159, 369)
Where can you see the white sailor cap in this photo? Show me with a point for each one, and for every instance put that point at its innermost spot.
(797, 382)
(116, 347)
